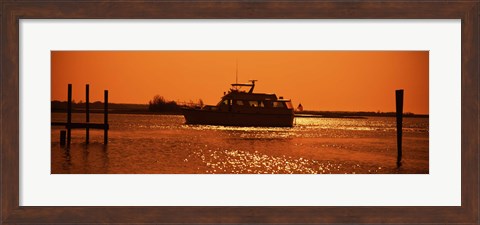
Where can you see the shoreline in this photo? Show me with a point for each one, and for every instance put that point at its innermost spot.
(123, 108)
(307, 114)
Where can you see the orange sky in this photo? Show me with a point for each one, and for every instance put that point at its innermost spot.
(320, 80)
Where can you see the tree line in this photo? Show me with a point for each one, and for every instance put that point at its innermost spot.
(160, 104)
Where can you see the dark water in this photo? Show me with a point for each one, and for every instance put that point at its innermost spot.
(163, 144)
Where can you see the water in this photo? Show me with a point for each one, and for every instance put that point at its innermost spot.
(163, 144)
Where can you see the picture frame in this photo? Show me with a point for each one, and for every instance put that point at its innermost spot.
(13, 11)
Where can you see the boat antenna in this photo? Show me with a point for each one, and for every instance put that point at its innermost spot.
(236, 74)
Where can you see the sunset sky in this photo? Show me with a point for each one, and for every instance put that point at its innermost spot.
(319, 80)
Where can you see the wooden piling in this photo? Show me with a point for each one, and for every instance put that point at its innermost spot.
(63, 135)
(399, 104)
(69, 125)
(87, 112)
(69, 115)
(105, 131)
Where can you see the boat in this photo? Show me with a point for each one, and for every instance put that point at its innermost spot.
(239, 107)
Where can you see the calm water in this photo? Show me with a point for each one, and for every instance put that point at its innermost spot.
(163, 144)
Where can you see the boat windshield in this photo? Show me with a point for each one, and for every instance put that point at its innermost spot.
(289, 105)
(283, 104)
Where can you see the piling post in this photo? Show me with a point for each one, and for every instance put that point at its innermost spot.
(399, 104)
(69, 115)
(105, 118)
(87, 113)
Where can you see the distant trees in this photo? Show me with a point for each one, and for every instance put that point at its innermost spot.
(159, 104)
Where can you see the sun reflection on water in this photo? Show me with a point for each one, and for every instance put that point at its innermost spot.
(244, 162)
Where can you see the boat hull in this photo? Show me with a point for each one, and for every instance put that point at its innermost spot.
(212, 117)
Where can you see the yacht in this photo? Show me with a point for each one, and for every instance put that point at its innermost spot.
(240, 107)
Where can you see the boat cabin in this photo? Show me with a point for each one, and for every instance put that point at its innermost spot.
(244, 108)
(238, 100)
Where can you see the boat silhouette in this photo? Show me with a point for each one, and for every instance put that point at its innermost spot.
(244, 108)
